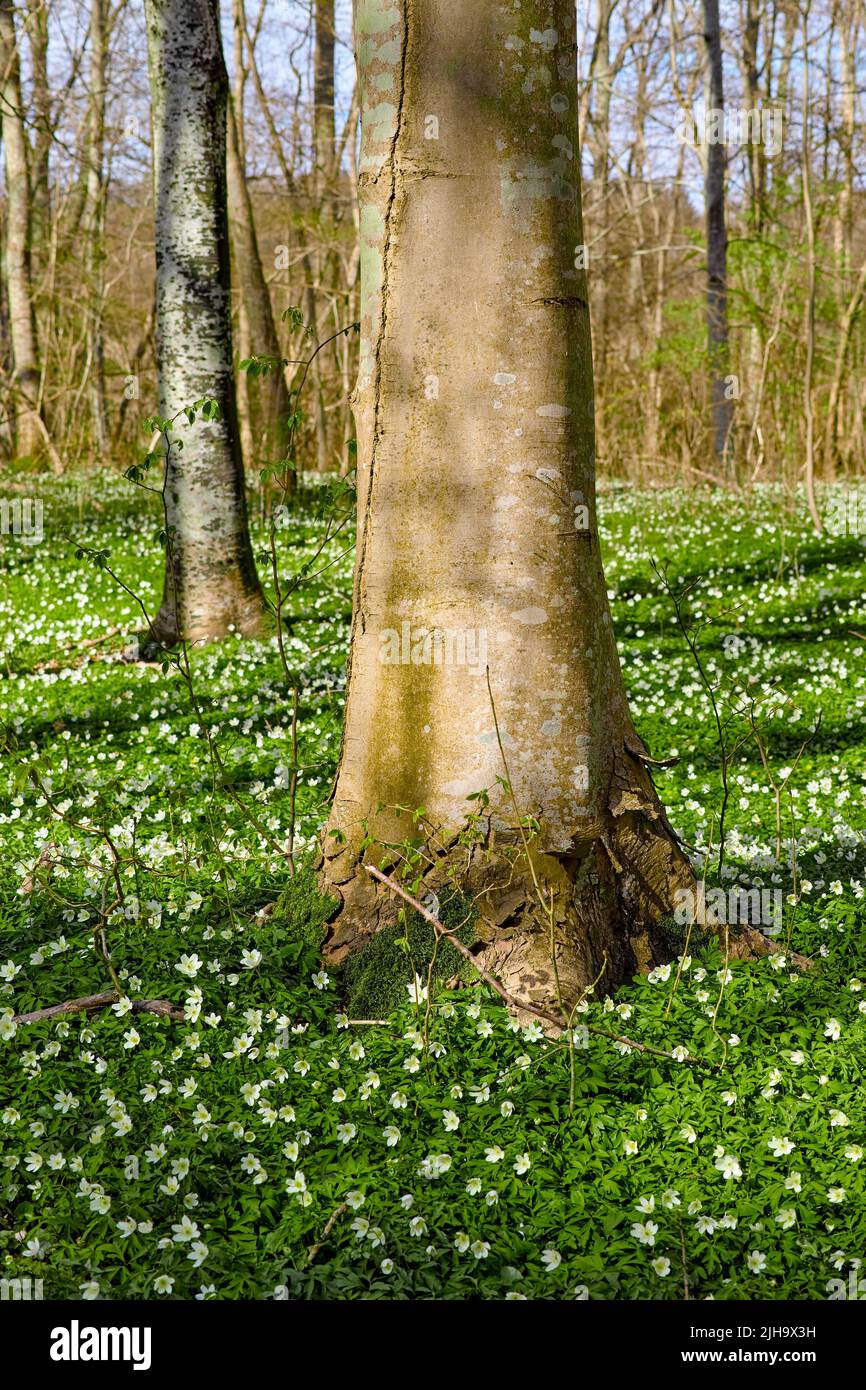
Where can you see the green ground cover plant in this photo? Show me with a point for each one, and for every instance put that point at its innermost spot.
(268, 1143)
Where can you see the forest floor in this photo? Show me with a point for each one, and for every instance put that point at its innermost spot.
(264, 1147)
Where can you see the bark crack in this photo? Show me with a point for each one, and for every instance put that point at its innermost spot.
(387, 256)
(359, 615)
(563, 301)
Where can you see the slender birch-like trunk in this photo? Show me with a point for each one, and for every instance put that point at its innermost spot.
(237, 129)
(478, 546)
(211, 583)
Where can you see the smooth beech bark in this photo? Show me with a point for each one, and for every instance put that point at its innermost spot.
(211, 583)
(477, 514)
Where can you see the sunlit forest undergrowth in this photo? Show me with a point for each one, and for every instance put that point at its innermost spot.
(272, 1145)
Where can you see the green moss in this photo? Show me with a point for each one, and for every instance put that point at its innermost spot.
(375, 979)
(303, 910)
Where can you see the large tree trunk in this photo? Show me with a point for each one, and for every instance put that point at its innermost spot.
(476, 509)
(211, 583)
(22, 328)
(717, 240)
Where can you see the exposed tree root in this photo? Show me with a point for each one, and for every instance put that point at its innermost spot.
(559, 1019)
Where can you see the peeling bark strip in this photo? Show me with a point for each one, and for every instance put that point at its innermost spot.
(211, 582)
(474, 410)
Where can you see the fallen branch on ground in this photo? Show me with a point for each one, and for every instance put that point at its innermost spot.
(91, 1002)
(52, 662)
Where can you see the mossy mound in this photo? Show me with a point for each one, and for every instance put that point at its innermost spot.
(303, 910)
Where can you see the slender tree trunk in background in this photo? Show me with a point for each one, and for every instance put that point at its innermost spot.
(474, 413)
(94, 221)
(211, 583)
(242, 387)
(40, 212)
(311, 320)
(665, 236)
(323, 96)
(783, 81)
(636, 193)
(755, 276)
(29, 436)
(7, 405)
(309, 297)
(268, 392)
(751, 33)
(717, 242)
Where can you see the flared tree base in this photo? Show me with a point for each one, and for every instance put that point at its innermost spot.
(242, 615)
(547, 926)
